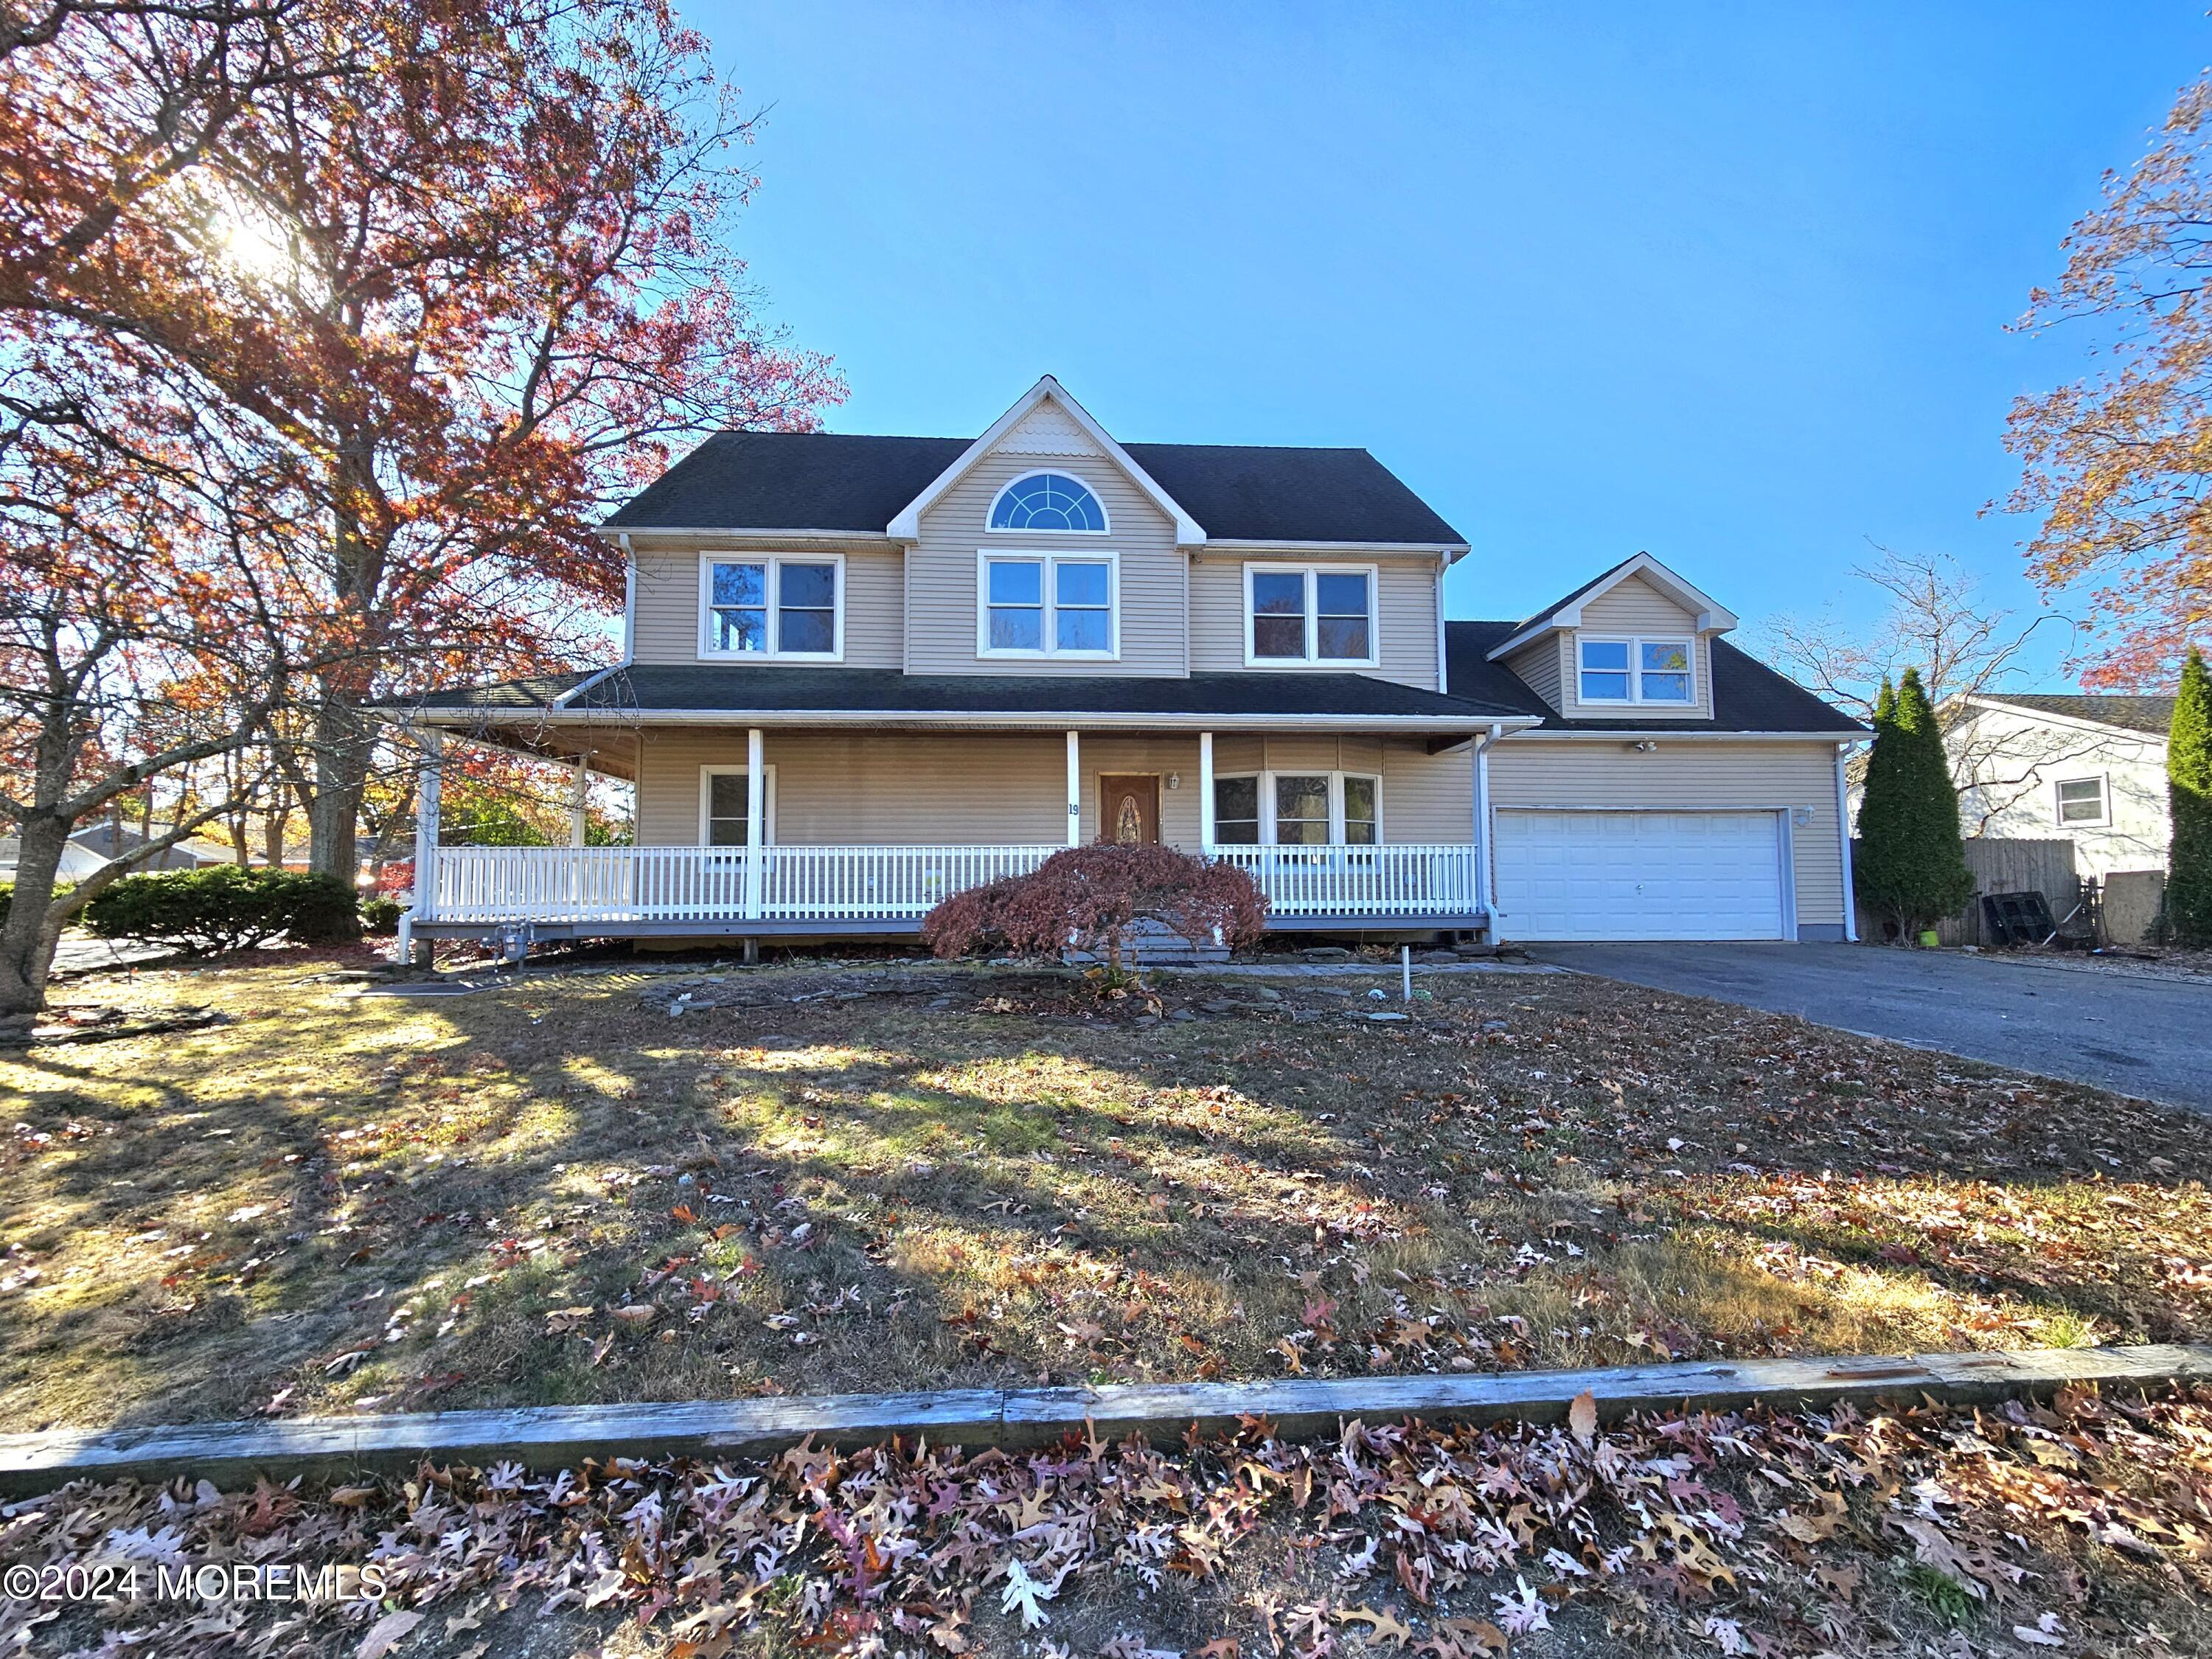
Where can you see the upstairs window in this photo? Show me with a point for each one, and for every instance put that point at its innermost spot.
(771, 608)
(1309, 614)
(1046, 605)
(1634, 670)
(1048, 502)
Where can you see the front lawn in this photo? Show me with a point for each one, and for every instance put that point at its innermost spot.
(818, 1179)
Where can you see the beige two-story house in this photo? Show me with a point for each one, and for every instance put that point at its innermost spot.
(860, 673)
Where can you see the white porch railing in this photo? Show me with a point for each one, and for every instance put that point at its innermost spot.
(1407, 879)
(576, 884)
(674, 884)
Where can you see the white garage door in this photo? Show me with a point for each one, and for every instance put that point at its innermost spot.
(1639, 875)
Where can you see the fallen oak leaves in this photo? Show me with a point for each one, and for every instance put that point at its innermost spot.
(1732, 1532)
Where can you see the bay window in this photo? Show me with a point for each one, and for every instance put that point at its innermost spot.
(1297, 809)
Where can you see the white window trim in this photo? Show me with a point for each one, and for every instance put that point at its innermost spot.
(707, 776)
(2104, 818)
(1636, 642)
(1049, 558)
(1309, 570)
(1267, 782)
(774, 562)
(992, 512)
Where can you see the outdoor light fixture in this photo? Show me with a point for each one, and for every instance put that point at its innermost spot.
(1174, 779)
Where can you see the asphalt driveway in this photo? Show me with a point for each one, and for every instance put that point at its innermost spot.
(2147, 1037)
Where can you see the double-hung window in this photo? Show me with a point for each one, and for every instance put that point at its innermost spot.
(1309, 614)
(1634, 670)
(725, 793)
(1047, 604)
(2081, 800)
(1297, 809)
(772, 607)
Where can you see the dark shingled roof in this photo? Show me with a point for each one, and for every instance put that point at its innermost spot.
(647, 689)
(1747, 695)
(846, 481)
(2154, 715)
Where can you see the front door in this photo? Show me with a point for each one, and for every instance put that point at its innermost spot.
(1128, 809)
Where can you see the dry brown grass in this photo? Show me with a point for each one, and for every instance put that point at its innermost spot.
(344, 1202)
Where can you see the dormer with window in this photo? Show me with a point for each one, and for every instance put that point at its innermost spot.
(1633, 646)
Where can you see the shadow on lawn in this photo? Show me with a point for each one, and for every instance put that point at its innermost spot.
(884, 1196)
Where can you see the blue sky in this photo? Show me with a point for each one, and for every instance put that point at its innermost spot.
(1728, 283)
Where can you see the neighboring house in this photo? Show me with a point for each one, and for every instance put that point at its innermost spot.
(91, 848)
(862, 672)
(2090, 769)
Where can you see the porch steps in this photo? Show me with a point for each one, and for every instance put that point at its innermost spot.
(1155, 945)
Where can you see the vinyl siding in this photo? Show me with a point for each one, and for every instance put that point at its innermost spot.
(1687, 775)
(1634, 608)
(941, 572)
(870, 788)
(884, 788)
(666, 602)
(1406, 596)
(1539, 667)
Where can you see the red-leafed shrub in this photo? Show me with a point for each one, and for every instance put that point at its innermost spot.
(1087, 898)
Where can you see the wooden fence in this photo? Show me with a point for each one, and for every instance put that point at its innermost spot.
(2002, 865)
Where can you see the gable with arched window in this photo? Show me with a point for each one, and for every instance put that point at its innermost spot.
(1051, 502)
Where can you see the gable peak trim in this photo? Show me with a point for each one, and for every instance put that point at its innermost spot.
(906, 524)
(1710, 616)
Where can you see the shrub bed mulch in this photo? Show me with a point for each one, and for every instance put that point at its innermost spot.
(2084, 1526)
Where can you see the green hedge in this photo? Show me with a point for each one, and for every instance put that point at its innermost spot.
(8, 897)
(224, 907)
(381, 915)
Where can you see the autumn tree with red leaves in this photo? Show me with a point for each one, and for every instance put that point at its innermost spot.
(2119, 464)
(1087, 899)
(136, 635)
(464, 271)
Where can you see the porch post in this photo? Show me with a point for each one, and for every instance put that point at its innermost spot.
(1206, 793)
(1484, 895)
(576, 803)
(756, 794)
(425, 826)
(1074, 791)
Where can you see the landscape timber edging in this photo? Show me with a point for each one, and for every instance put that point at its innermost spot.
(549, 1437)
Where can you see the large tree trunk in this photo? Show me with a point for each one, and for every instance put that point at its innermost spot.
(26, 937)
(343, 739)
(273, 825)
(342, 753)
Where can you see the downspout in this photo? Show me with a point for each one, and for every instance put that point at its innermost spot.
(630, 599)
(1843, 845)
(1443, 673)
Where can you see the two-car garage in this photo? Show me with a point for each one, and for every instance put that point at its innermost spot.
(1611, 873)
(1665, 839)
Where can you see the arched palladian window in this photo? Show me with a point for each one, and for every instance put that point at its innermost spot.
(1048, 501)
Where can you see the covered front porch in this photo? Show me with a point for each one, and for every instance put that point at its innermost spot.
(1350, 832)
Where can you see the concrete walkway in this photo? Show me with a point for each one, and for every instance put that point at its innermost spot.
(2133, 1035)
